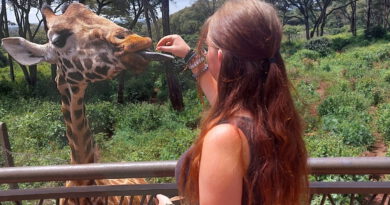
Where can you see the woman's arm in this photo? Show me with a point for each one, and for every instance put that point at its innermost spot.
(221, 167)
(177, 46)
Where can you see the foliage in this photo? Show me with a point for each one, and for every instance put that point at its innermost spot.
(375, 32)
(321, 45)
(384, 120)
(306, 54)
(290, 48)
(290, 31)
(345, 115)
(3, 60)
(339, 43)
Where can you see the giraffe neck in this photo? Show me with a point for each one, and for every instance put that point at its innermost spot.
(78, 132)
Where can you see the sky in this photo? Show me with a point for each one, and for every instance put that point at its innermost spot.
(174, 6)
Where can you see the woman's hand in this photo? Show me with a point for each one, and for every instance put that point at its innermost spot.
(173, 44)
(163, 200)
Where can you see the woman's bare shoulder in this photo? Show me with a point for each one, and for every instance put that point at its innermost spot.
(225, 135)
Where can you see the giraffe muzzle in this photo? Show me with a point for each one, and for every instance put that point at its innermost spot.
(155, 56)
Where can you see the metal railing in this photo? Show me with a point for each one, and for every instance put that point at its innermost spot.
(367, 192)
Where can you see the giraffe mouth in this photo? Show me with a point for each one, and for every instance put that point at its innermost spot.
(155, 56)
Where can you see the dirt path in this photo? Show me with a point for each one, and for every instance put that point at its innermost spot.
(321, 90)
(378, 149)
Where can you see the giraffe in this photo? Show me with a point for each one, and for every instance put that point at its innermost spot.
(86, 48)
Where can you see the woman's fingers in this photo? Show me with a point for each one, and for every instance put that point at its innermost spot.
(163, 200)
(166, 40)
(173, 44)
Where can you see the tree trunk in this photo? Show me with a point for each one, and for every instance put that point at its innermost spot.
(307, 27)
(174, 89)
(353, 17)
(53, 68)
(33, 75)
(11, 68)
(26, 74)
(147, 18)
(121, 87)
(368, 22)
(323, 26)
(156, 24)
(3, 23)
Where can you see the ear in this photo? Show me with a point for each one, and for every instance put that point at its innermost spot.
(220, 56)
(24, 51)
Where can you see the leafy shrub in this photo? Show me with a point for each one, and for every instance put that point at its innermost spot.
(375, 32)
(321, 45)
(144, 117)
(325, 67)
(43, 127)
(291, 31)
(384, 120)
(308, 63)
(387, 76)
(102, 116)
(308, 54)
(351, 131)
(5, 88)
(290, 48)
(339, 43)
(326, 145)
(3, 60)
(343, 104)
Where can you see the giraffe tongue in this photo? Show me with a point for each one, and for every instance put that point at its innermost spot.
(154, 56)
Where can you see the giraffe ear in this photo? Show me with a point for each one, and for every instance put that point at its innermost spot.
(24, 51)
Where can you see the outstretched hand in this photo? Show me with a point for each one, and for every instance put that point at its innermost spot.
(163, 200)
(173, 44)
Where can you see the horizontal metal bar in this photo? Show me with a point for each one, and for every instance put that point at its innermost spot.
(349, 187)
(171, 190)
(88, 171)
(340, 165)
(350, 165)
(88, 191)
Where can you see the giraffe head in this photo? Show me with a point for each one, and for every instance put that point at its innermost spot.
(85, 46)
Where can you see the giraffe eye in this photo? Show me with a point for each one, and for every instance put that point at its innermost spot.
(120, 36)
(59, 39)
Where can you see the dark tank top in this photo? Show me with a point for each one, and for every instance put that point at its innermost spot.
(245, 124)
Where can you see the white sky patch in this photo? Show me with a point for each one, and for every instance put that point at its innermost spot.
(174, 6)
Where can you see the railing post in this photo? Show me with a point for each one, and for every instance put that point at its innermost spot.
(6, 148)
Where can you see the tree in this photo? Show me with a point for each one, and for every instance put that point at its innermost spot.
(147, 18)
(21, 10)
(175, 94)
(305, 8)
(350, 14)
(4, 32)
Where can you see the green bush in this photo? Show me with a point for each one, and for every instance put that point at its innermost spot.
(352, 131)
(326, 145)
(384, 120)
(343, 104)
(102, 117)
(308, 54)
(3, 60)
(387, 76)
(375, 32)
(321, 45)
(290, 48)
(144, 117)
(41, 128)
(339, 43)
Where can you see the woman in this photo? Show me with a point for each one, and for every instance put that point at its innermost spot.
(250, 149)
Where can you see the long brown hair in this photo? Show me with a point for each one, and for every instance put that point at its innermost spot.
(253, 78)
